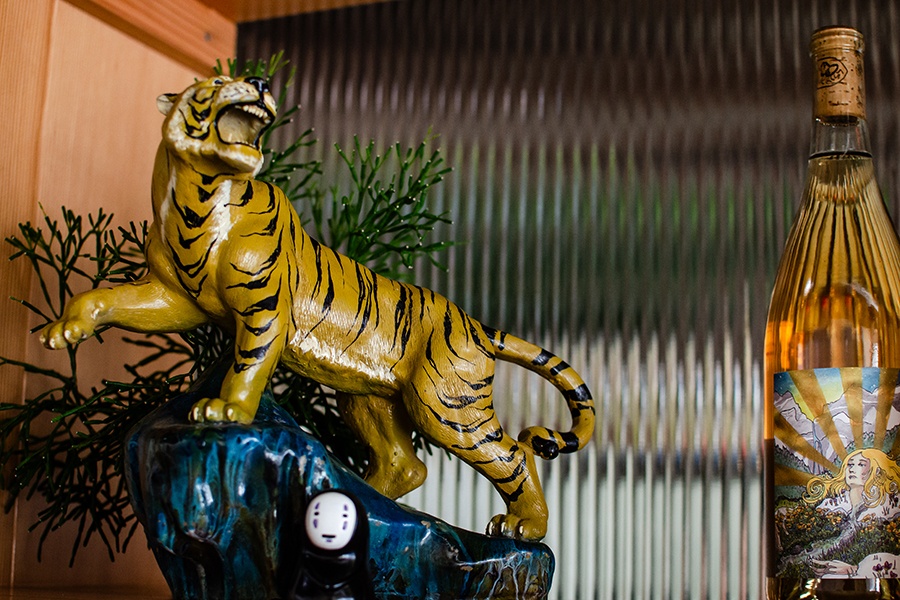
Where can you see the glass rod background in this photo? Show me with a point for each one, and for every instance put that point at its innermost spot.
(624, 176)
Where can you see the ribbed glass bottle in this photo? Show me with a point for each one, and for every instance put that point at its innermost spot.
(832, 362)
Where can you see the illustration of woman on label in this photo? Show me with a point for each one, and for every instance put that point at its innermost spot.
(867, 490)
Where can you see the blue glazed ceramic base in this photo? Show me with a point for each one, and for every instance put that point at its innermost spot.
(223, 508)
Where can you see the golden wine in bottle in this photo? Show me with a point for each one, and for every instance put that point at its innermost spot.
(832, 361)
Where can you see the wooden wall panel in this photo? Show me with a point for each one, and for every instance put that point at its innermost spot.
(189, 31)
(98, 136)
(257, 10)
(24, 46)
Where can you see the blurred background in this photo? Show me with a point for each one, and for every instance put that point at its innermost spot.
(624, 177)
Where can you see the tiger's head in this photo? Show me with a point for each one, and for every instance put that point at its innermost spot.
(219, 120)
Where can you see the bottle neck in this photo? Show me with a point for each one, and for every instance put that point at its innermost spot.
(839, 101)
(840, 135)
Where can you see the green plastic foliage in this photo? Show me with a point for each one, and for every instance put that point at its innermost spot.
(65, 443)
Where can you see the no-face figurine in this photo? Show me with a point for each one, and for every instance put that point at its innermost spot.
(334, 557)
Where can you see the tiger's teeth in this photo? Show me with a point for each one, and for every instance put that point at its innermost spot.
(254, 110)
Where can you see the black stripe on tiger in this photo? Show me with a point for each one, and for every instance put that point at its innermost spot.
(493, 436)
(448, 330)
(467, 323)
(190, 218)
(258, 331)
(270, 303)
(456, 426)
(272, 201)
(429, 356)
(543, 358)
(579, 394)
(203, 95)
(202, 195)
(268, 230)
(266, 264)
(516, 473)
(403, 320)
(192, 123)
(368, 288)
(186, 243)
(256, 355)
(476, 385)
(459, 402)
(496, 336)
(476, 339)
(400, 312)
(579, 400)
(200, 115)
(253, 284)
(196, 132)
(562, 366)
(326, 303)
(317, 253)
(549, 448)
(293, 279)
(372, 305)
(576, 409)
(514, 495)
(246, 197)
(329, 294)
(571, 441)
(193, 290)
(190, 269)
(206, 180)
(421, 303)
(513, 455)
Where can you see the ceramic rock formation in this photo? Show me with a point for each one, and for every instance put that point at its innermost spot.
(225, 508)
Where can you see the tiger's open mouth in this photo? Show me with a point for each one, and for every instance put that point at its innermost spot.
(243, 123)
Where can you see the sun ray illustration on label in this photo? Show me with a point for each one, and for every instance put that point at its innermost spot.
(837, 481)
(834, 403)
(887, 398)
(812, 400)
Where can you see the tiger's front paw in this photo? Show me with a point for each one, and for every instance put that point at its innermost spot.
(216, 410)
(517, 528)
(66, 332)
(80, 318)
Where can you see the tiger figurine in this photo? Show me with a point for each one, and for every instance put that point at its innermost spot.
(226, 248)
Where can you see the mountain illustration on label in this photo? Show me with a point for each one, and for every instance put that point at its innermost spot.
(837, 481)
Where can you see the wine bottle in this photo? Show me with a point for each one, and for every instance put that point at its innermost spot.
(832, 361)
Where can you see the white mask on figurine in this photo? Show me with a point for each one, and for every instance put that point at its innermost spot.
(331, 521)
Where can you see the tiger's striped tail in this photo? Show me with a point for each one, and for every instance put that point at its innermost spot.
(548, 443)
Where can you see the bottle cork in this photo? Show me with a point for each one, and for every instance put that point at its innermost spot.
(837, 54)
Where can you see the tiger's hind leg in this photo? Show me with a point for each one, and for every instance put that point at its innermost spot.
(385, 429)
(517, 482)
(475, 436)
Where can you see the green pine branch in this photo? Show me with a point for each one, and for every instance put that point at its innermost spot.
(65, 444)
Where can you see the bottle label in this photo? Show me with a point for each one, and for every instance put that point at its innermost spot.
(837, 480)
